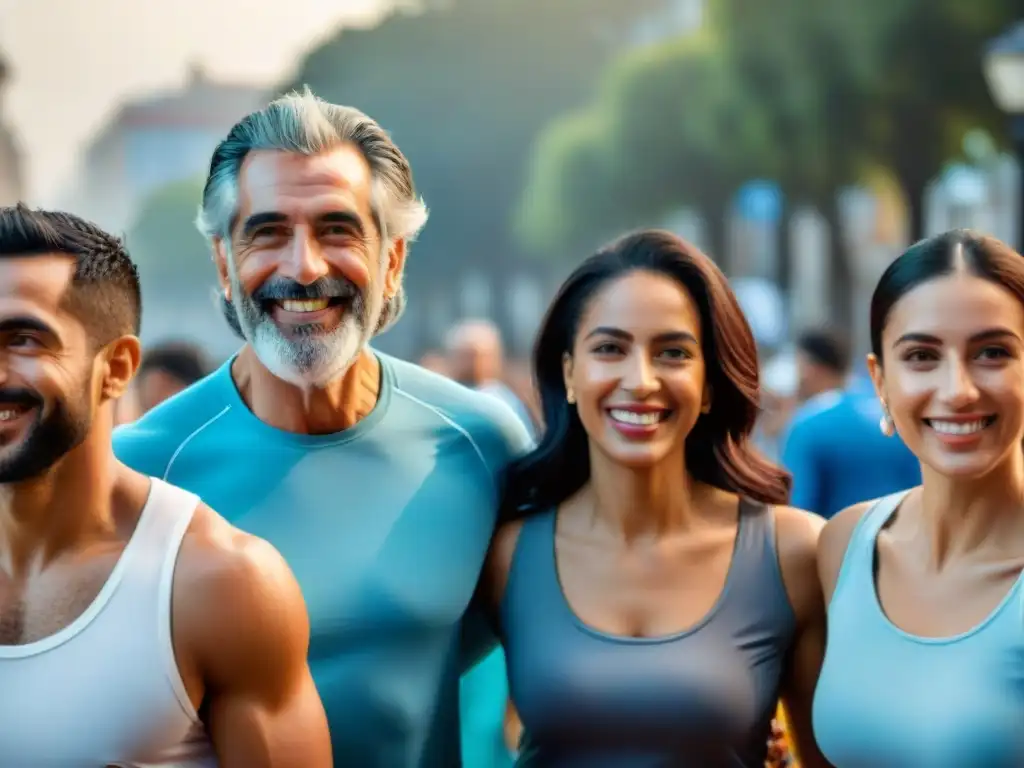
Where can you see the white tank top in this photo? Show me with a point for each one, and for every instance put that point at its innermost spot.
(105, 690)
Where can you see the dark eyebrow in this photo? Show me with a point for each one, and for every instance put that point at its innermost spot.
(259, 219)
(347, 218)
(343, 217)
(618, 333)
(26, 323)
(992, 334)
(995, 334)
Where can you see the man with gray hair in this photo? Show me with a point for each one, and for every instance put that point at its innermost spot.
(377, 480)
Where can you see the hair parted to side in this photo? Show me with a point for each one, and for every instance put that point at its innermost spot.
(959, 250)
(301, 122)
(719, 451)
(105, 292)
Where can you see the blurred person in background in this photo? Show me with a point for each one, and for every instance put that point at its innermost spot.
(475, 357)
(924, 658)
(655, 595)
(136, 626)
(778, 399)
(519, 379)
(434, 361)
(822, 362)
(833, 447)
(167, 369)
(377, 480)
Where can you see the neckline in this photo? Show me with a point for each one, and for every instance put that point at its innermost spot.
(707, 618)
(103, 597)
(876, 601)
(254, 424)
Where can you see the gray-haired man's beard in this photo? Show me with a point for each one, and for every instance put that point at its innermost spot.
(309, 354)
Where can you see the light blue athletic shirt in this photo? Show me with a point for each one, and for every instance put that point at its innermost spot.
(385, 525)
(888, 699)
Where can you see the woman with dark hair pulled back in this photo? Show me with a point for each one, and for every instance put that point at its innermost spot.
(925, 659)
(654, 594)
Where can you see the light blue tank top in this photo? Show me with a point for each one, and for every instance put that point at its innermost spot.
(888, 699)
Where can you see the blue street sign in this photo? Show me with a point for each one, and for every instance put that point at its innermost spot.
(759, 201)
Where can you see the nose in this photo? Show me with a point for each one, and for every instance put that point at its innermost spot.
(639, 378)
(304, 260)
(959, 390)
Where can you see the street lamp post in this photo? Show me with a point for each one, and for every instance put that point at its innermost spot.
(1004, 71)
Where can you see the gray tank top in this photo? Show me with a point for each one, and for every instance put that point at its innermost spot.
(702, 698)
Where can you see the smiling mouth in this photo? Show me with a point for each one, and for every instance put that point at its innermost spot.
(12, 412)
(306, 306)
(638, 418)
(945, 427)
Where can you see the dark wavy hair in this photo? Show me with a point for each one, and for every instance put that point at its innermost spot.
(718, 450)
(939, 256)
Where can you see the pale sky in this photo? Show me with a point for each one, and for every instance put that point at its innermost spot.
(76, 60)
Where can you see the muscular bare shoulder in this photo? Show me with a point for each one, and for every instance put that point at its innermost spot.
(238, 603)
(796, 534)
(835, 538)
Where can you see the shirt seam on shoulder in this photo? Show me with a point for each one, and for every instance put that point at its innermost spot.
(191, 436)
(454, 425)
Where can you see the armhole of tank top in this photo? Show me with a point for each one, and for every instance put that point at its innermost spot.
(862, 535)
(533, 520)
(174, 496)
(771, 543)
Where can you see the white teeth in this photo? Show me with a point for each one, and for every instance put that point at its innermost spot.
(9, 415)
(304, 305)
(957, 427)
(632, 417)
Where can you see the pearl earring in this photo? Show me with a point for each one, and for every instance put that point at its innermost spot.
(885, 423)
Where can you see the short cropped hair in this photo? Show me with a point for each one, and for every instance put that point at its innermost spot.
(105, 293)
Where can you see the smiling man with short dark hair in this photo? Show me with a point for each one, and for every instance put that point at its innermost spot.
(127, 606)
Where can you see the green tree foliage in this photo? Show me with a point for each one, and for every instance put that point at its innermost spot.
(164, 240)
(805, 65)
(672, 126)
(823, 91)
(573, 175)
(799, 62)
(464, 91)
(928, 90)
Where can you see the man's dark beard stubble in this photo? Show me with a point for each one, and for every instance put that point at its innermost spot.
(48, 438)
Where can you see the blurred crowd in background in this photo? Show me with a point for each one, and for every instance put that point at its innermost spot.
(802, 143)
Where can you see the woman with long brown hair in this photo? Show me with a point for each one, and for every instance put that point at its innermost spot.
(653, 592)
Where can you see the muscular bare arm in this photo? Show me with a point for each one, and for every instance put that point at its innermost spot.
(251, 633)
(797, 533)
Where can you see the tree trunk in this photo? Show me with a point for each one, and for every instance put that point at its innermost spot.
(841, 277)
(784, 265)
(914, 190)
(715, 226)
